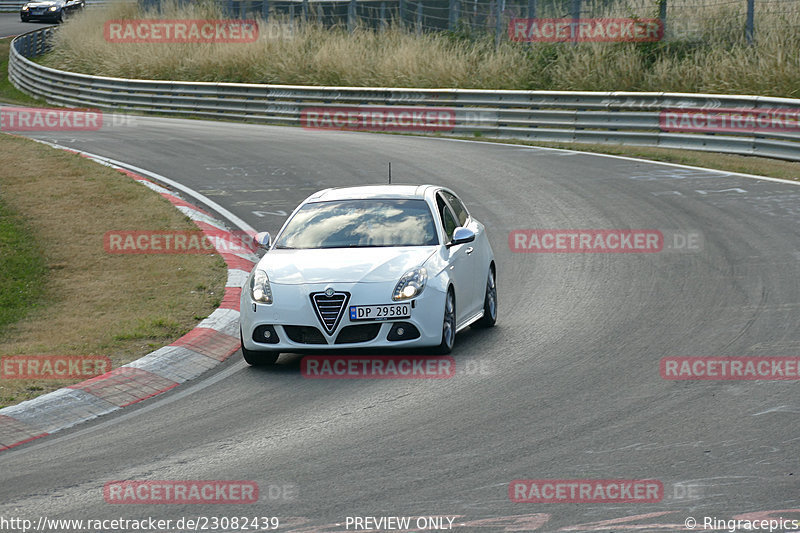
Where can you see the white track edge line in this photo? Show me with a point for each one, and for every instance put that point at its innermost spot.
(627, 158)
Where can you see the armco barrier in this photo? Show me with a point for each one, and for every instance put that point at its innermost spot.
(547, 116)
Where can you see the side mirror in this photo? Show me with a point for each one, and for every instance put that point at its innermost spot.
(263, 240)
(462, 235)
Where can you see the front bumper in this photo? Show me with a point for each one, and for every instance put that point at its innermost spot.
(292, 310)
(45, 16)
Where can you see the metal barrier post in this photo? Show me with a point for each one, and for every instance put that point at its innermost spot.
(351, 16)
(498, 22)
(576, 15)
(451, 18)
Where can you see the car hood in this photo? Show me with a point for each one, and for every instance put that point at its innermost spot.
(342, 265)
(41, 4)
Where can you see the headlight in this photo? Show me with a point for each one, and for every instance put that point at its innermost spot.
(24, 8)
(259, 288)
(53, 8)
(411, 284)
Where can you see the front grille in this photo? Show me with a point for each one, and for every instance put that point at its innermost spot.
(304, 334)
(359, 333)
(329, 309)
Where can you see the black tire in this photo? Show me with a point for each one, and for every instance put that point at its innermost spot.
(24, 19)
(258, 358)
(489, 317)
(448, 324)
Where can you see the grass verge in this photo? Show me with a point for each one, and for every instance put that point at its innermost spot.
(22, 267)
(91, 302)
(8, 93)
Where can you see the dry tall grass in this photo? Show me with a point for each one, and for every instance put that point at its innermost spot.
(705, 52)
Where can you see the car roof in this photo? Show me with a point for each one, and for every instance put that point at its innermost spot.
(371, 191)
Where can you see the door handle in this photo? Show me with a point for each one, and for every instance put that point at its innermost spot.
(470, 250)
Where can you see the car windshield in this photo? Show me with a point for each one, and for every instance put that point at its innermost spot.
(360, 223)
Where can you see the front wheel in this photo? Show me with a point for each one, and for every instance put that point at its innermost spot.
(489, 303)
(257, 358)
(448, 324)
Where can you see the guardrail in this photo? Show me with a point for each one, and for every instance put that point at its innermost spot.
(572, 117)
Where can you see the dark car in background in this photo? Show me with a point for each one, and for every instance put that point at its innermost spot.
(50, 10)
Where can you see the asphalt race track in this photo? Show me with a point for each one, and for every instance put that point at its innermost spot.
(567, 386)
(11, 25)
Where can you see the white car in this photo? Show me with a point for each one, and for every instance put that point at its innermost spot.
(389, 266)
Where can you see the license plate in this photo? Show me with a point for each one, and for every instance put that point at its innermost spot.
(379, 312)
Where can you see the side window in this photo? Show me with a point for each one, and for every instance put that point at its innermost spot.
(458, 208)
(448, 220)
